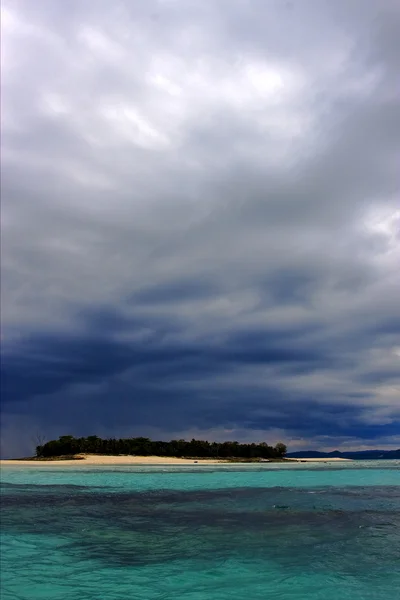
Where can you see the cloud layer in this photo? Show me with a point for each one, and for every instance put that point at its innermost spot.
(201, 220)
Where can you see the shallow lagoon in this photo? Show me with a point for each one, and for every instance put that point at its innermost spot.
(203, 532)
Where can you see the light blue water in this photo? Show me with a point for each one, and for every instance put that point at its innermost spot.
(298, 532)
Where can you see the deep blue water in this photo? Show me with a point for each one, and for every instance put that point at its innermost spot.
(298, 532)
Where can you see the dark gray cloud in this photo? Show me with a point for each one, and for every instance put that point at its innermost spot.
(201, 226)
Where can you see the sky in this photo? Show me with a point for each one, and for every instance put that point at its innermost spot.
(201, 221)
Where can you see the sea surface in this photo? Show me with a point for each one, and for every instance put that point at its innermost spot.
(254, 532)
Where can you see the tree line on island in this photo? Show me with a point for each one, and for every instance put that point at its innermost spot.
(142, 446)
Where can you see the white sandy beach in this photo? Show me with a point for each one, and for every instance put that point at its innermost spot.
(96, 459)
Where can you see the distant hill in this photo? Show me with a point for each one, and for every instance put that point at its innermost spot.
(360, 455)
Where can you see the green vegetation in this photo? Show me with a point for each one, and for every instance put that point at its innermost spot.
(52, 458)
(68, 445)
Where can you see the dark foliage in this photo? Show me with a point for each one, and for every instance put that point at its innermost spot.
(69, 445)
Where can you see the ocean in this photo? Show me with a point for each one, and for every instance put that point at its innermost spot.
(251, 532)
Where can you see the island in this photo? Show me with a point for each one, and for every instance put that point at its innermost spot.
(143, 450)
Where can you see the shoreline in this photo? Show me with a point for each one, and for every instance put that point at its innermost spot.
(105, 460)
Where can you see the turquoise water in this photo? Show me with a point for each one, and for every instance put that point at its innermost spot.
(194, 533)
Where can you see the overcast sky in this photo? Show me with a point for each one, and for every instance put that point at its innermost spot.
(201, 221)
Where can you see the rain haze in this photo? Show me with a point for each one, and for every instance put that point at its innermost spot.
(201, 221)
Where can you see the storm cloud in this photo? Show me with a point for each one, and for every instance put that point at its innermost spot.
(201, 221)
